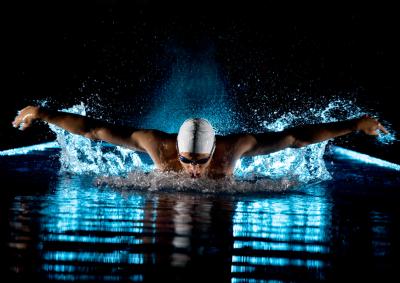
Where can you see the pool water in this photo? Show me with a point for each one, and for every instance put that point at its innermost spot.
(63, 227)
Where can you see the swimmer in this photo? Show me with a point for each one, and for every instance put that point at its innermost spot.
(196, 150)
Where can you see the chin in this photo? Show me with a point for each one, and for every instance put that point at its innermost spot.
(196, 176)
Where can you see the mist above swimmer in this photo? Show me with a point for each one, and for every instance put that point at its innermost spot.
(278, 150)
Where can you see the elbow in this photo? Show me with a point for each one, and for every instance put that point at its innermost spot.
(299, 144)
(295, 142)
(294, 139)
(92, 135)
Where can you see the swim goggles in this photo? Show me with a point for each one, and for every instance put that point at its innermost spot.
(195, 162)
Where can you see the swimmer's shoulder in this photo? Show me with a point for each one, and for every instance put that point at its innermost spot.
(230, 141)
(160, 137)
(166, 145)
(231, 147)
(161, 146)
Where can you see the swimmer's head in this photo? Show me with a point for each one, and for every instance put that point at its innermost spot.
(196, 145)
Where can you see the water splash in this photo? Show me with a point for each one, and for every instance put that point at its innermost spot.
(80, 155)
(177, 182)
(340, 110)
(307, 163)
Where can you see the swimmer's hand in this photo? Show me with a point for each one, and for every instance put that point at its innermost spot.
(369, 126)
(26, 116)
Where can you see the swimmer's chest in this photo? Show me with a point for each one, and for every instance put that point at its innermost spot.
(222, 162)
(216, 167)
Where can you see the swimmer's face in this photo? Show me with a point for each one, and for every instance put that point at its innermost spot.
(193, 169)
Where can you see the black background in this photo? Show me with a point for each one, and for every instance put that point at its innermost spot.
(105, 52)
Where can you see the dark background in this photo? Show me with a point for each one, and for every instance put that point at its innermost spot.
(111, 55)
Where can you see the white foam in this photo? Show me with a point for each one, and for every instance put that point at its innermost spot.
(82, 156)
(167, 181)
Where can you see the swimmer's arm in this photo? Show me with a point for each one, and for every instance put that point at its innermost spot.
(296, 137)
(88, 127)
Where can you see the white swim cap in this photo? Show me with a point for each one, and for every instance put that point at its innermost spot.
(196, 135)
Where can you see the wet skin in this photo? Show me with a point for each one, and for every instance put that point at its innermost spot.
(195, 170)
(229, 149)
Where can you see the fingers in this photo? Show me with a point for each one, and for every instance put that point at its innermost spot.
(23, 119)
(17, 120)
(380, 127)
(26, 108)
(27, 117)
(373, 131)
(24, 125)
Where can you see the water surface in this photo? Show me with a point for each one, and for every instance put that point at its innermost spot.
(63, 227)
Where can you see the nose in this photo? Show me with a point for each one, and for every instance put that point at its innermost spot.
(194, 171)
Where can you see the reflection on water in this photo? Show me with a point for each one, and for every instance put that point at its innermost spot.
(288, 231)
(72, 230)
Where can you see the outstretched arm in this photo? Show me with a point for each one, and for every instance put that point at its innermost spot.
(265, 143)
(139, 140)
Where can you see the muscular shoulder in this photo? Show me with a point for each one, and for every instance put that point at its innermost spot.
(232, 147)
(148, 138)
(159, 145)
(237, 143)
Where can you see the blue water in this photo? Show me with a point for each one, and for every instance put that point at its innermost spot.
(78, 210)
(59, 226)
(82, 156)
